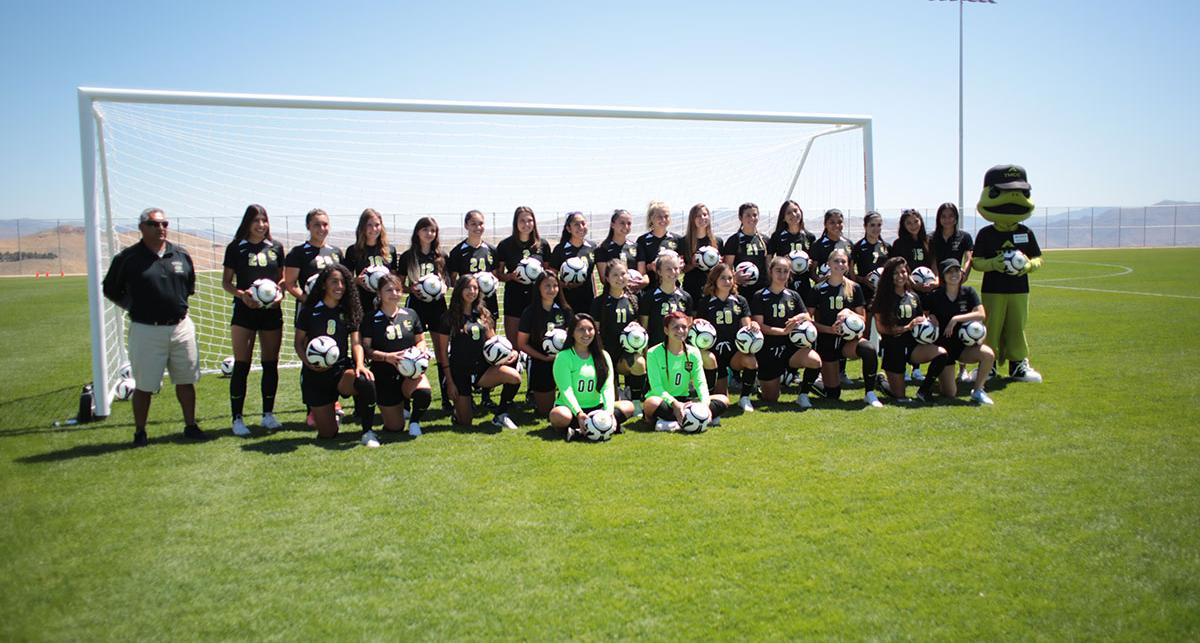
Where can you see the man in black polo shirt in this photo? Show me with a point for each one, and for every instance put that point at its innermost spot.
(152, 280)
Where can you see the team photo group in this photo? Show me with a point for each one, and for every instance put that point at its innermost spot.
(650, 326)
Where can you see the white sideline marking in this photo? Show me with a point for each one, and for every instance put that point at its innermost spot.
(1116, 292)
(1122, 271)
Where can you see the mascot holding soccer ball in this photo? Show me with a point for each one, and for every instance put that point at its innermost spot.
(1006, 252)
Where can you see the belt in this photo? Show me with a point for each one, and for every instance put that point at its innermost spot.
(170, 322)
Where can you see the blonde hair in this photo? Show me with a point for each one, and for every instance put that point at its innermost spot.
(654, 208)
(847, 283)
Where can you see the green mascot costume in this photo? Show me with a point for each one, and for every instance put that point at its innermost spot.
(1005, 203)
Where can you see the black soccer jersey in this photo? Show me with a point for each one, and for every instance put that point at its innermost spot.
(392, 334)
(956, 247)
(912, 251)
(509, 253)
(829, 300)
(726, 315)
(906, 308)
(612, 314)
(556, 317)
(358, 260)
(310, 260)
(867, 256)
(579, 298)
(427, 264)
(990, 242)
(609, 250)
(253, 261)
(821, 249)
(319, 319)
(466, 259)
(694, 279)
(941, 307)
(656, 304)
(648, 246)
(776, 308)
(784, 242)
(752, 248)
(466, 341)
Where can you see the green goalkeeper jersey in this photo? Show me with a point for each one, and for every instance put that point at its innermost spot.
(672, 376)
(575, 379)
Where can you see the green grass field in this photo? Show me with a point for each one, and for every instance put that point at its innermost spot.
(1070, 510)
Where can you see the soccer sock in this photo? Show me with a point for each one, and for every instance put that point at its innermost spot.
(270, 383)
(421, 399)
(833, 392)
(935, 369)
(870, 364)
(508, 393)
(710, 376)
(619, 416)
(748, 375)
(810, 376)
(842, 364)
(442, 374)
(665, 412)
(237, 388)
(364, 402)
(717, 407)
(637, 386)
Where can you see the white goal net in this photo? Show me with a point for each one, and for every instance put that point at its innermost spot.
(203, 158)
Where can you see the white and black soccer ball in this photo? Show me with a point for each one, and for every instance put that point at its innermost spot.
(430, 288)
(747, 270)
(853, 327)
(1014, 261)
(874, 277)
(922, 276)
(487, 283)
(125, 371)
(226, 367)
(497, 350)
(124, 388)
(413, 362)
(800, 261)
(310, 282)
(925, 332)
(635, 277)
(599, 426)
(574, 270)
(702, 334)
(803, 334)
(264, 291)
(707, 258)
(634, 338)
(748, 340)
(696, 417)
(373, 277)
(554, 341)
(529, 270)
(972, 333)
(322, 351)
(789, 378)
(823, 271)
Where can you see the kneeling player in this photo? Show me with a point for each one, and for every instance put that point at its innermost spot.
(897, 309)
(675, 370)
(468, 323)
(952, 305)
(835, 299)
(390, 331)
(777, 310)
(583, 374)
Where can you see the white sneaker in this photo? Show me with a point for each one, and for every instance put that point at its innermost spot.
(966, 376)
(504, 422)
(916, 375)
(981, 397)
(747, 406)
(804, 402)
(819, 383)
(239, 428)
(662, 425)
(270, 423)
(370, 440)
(715, 422)
(872, 400)
(570, 433)
(414, 429)
(1025, 373)
(672, 425)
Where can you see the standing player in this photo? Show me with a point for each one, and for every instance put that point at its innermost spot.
(658, 302)
(386, 334)
(952, 305)
(912, 244)
(369, 250)
(574, 243)
(253, 255)
(583, 374)
(950, 242)
(833, 300)
(699, 235)
(332, 310)
(748, 245)
(658, 238)
(474, 255)
(548, 312)
(522, 243)
(897, 309)
(778, 309)
(424, 257)
(614, 310)
(469, 324)
(310, 257)
(675, 369)
(617, 246)
(869, 253)
(791, 235)
(831, 239)
(728, 311)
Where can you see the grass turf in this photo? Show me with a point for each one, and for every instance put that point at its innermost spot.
(1069, 510)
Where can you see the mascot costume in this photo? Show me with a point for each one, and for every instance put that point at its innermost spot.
(1007, 252)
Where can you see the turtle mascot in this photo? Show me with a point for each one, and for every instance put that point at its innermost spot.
(1007, 251)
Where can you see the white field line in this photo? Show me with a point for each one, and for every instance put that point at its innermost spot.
(1122, 270)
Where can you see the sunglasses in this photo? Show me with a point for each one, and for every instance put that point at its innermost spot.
(157, 224)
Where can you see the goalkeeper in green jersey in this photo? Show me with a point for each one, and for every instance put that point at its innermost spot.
(676, 372)
(583, 376)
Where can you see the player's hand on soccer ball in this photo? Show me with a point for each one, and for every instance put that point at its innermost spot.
(250, 300)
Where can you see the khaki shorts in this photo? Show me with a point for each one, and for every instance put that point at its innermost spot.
(153, 349)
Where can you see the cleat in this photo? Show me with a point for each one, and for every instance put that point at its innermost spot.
(270, 423)
(370, 440)
(923, 397)
(504, 422)
(239, 428)
(803, 401)
(570, 433)
(1023, 372)
(140, 439)
(872, 400)
(414, 429)
(916, 374)
(980, 397)
(964, 375)
(715, 422)
(747, 406)
(662, 425)
(193, 432)
(672, 425)
(845, 380)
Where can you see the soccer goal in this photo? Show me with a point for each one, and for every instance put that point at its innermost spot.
(203, 157)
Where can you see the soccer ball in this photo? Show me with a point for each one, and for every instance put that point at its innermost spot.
(634, 338)
(430, 287)
(800, 260)
(125, 372)
(702, 334)
(373, 276)
(747, 270)
(1014, 261)
(748, 340)
(310, 282)
(487, 283)
(972, 333)
(790, 378)
(696, 417)
(852, 327)
(823, 271)
(529, 270)
(554, 341)
(599, 426)
(875, 276)
(925, 332)
(124, 389)
(227, 367)
(923, 276)
(413, 362)
(634, 277)
(497, 349)
(803, 334)
(574, 270)
(707, 258)
(322, 351)
(264, 291)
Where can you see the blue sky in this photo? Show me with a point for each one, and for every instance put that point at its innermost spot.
(1096, 99)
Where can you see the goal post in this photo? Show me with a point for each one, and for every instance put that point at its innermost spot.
(203, 157)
